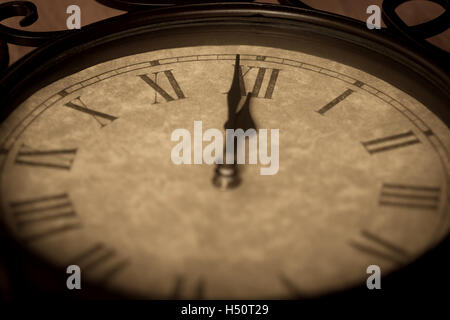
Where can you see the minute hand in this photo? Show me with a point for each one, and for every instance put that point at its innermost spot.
(227, 175)
(243, 118)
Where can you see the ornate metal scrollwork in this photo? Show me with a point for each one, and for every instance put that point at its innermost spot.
(415, 34)
(418, 33)
(24, 38)
(135, 5)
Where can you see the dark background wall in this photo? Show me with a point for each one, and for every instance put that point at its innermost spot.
(53, 15)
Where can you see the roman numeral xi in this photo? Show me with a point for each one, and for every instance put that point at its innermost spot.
(156, 84)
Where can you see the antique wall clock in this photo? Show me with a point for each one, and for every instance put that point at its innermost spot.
(85, 142)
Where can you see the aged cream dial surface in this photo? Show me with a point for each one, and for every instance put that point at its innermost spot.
(87, 176)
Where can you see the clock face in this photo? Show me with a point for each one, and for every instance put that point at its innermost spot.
(87, 176)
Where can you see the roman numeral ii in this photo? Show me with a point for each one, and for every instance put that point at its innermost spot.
(391, 142)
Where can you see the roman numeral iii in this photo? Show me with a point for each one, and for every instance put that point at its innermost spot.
(407, 196)
(44, 216)
(390, 143)
(157, 86)
(54, 159)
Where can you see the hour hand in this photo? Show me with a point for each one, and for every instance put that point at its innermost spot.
(243, 119)
(227, 175)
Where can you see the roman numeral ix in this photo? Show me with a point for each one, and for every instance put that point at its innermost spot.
(45, 216)
(55, 159)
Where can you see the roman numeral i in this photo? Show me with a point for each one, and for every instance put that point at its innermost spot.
(335, 102)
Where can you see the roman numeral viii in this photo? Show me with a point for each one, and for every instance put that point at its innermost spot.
(416, 197)
(45, 216)
(390, 143)
(55, 159)
(157, 87)
(264, 77)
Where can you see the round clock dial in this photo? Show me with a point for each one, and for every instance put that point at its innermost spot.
(87, 176)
